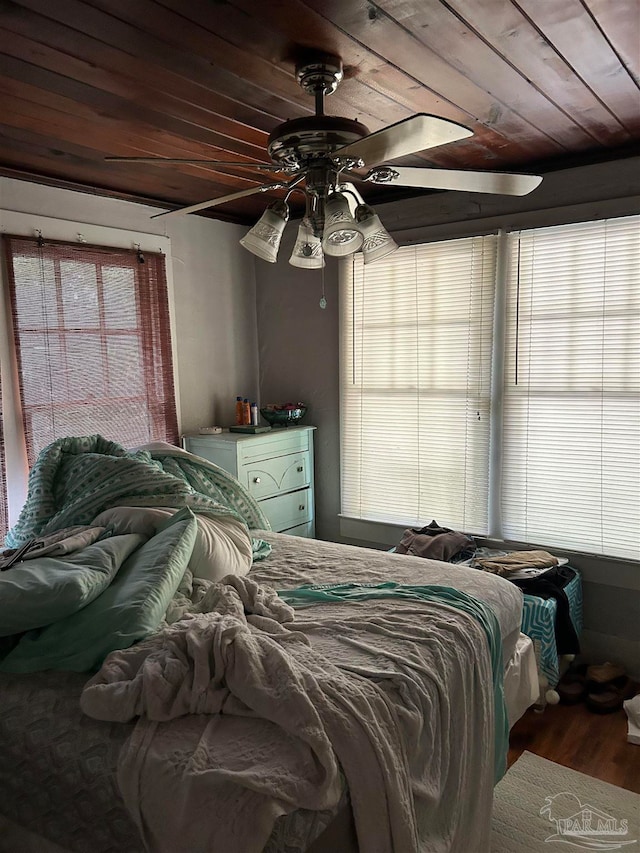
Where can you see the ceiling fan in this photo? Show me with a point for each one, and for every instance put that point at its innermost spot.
(322, 155)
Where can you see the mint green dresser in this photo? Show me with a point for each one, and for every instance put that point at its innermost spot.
(276, 467)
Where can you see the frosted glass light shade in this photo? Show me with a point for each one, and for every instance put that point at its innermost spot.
(307, 252)
(377, 242)
(264, 238)
(341, 233)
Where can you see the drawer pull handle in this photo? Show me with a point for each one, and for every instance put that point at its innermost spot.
(256, 479)
(300, 469)
(301, 507)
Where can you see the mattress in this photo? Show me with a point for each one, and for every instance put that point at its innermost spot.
(295, 561)
(57, 766)
(521, 686)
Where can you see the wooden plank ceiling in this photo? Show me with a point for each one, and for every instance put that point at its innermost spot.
(540, 83)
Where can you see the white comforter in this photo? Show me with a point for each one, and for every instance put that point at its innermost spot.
(246, 715)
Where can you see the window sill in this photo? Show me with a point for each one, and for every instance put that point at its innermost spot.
(595, 568)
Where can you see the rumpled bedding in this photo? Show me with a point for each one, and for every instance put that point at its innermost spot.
(61, 542)
(241, 705)
(397, 693)
(76, 478)
(129, 608)
(71, 481)
(222, 547)
(58, 772)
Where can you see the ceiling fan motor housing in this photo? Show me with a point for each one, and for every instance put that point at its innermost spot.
(297, 143)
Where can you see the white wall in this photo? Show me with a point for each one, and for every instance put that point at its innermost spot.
(213, 287)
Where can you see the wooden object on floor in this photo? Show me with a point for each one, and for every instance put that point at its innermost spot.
(571, 735)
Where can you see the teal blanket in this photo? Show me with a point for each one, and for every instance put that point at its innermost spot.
(76, 478)
(328, 593)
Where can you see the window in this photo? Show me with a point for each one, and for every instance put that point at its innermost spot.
(416, 384)
(540, 444)
(92, 341)
(571, 456)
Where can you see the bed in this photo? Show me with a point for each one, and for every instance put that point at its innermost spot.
(427, 671)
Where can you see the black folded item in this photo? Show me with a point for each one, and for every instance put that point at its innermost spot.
(434, 542)
(15, 555)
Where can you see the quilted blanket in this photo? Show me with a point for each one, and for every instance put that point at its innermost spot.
(76, 478)
(246, 707)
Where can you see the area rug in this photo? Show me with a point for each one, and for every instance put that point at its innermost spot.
(541, 806)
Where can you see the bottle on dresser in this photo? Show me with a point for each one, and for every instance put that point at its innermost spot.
(246, 412)
(239, 411)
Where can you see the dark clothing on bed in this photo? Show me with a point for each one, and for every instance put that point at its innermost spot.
(551, 584)
(434, 542)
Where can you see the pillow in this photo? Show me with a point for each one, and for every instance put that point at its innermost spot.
(129, 609)
(222, 547)
(43, 590)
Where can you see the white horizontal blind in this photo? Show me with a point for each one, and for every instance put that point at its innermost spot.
(571, 461)
(415, 384)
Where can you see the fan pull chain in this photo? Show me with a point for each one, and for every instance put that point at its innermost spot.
(323, 301)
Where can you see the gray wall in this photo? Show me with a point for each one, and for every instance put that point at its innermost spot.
(298, 352)
(298, 356)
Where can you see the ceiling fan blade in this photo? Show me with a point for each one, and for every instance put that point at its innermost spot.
(454, 179)
(203, 205)
(408, 136)
(271, 167)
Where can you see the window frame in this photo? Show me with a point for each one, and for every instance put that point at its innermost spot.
(474, 386)
(54, 229)
(386, 533)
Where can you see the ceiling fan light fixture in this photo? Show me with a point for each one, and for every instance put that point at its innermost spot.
(307, 252)
(342, 235)
(264, 238)
(377, 242)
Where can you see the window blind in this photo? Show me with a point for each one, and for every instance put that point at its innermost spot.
(92, 338)
(415, 384)
(571, 456)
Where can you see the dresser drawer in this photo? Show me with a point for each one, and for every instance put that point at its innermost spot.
(273, 476)
(279, 442)
(288, 510)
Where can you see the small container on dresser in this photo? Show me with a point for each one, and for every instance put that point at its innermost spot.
(276, 467)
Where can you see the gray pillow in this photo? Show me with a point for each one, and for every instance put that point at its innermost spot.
(43, 590)
(130, 609)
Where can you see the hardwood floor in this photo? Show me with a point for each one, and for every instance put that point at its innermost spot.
(573, 736)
